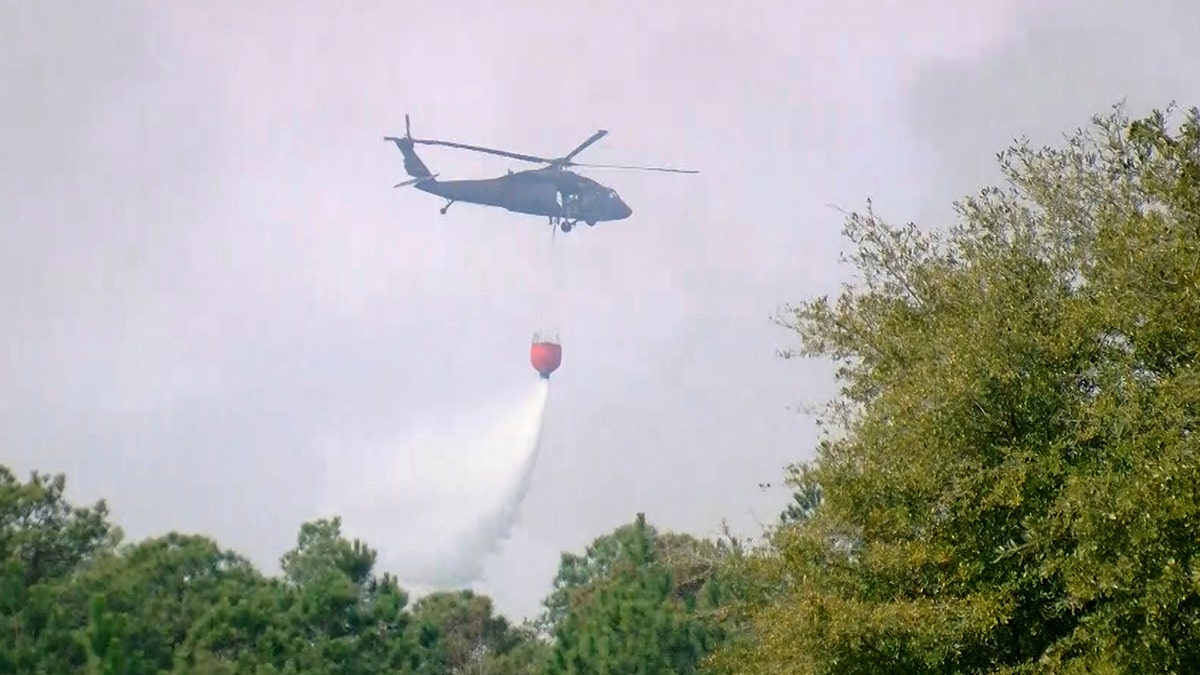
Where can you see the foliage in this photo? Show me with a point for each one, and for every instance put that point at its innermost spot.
(73, 600)
(44, 541)
(1010, 481)
(76, 600)
(471, 638)
(807, 496)
(636, 601)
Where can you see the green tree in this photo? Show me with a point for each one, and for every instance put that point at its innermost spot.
(692, 562)
(45, 541)
(806, 497)
(328, 614)
(464, 635)
(146, 599)
(72, 602)
(636, 602)
(1011, 485)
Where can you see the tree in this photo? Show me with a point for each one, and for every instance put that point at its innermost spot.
(146, 599)
(1010, 481)
(693, 563)
(44, 542)
(72, 601)
(806, 497)
(637, 601)
(329, 613)
(464, 635)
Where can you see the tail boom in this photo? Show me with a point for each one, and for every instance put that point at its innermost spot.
(413, 165)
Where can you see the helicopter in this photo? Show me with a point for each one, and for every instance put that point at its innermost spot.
(564, 197)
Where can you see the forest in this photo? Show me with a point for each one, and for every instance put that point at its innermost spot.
(1006, 482)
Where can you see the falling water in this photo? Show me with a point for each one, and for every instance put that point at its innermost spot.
(437, 502)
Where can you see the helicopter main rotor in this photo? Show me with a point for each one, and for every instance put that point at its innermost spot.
(555, 163)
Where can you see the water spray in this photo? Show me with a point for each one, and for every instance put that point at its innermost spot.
(439, 499)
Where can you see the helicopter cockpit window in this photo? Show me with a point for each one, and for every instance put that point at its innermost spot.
(612, 194)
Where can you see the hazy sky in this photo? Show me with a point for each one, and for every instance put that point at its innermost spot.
(207, 281)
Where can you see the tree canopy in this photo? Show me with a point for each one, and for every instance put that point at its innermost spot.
(1009, 481)
(76, 599)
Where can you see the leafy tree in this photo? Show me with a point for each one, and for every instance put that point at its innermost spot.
(74, 601)
(692, 562)
(806, 497)
(528, 654)
(147, 598)
(1012, 482)
(633, 603)
(44, 542)
(465, 636)
(329, 614)
(577, 574)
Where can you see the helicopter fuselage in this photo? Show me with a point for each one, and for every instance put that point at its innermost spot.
(554, 193)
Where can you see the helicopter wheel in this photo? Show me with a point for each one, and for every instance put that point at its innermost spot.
(566, 226)
(590, 223)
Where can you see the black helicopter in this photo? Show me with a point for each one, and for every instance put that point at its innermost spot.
(562, 196)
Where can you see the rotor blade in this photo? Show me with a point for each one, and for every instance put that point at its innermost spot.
(636, 168)
(490, 151)
(583, 146)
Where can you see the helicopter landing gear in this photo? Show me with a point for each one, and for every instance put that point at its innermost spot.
(564, 224)
(571, 210)
(443, 209)
(590, 223)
